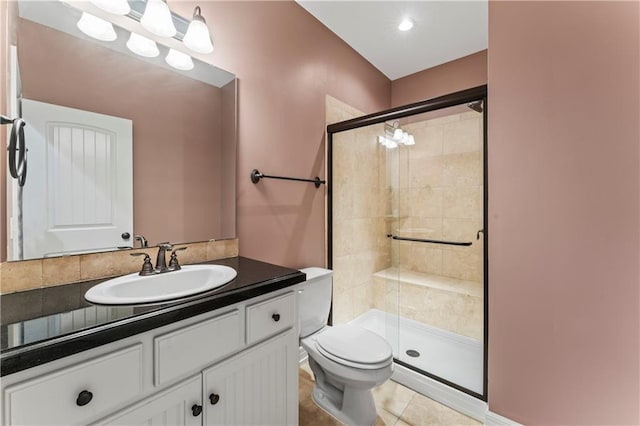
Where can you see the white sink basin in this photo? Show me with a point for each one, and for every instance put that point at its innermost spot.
(135, 289)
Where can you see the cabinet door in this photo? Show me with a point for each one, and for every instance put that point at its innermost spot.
(257, 387)
(180, 405)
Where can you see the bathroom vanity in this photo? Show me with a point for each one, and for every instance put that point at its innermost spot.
(229, 356)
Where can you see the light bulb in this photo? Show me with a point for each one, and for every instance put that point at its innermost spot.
(117, 7)
(96, 27)
(157, 19)
(179, 60)
(397, 134)
(142, 46)
(197, 37)
(410, 140)
(405, 25)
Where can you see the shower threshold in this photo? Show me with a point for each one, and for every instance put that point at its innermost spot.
(450, 356)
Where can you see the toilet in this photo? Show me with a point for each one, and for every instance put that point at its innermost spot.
(347, 361)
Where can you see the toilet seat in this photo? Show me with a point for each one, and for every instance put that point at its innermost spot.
(354, 346)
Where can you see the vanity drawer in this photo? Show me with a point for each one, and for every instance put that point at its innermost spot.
(194, 347)
(74, 395)
(267, 318)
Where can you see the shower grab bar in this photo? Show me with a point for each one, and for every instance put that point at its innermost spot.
(422, 240)
(256, 176)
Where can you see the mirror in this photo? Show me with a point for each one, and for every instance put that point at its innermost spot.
(180, 175)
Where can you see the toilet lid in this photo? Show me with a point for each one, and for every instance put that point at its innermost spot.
(355, 344)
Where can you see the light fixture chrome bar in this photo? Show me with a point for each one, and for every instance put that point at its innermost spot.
(137, 10)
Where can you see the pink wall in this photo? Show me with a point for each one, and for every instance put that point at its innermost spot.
(286, 62)
(177, 152)
(464, 73)
(563, 212)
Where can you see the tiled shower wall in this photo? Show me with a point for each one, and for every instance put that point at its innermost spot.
(430, 190)
(439, 194)
(359, 183)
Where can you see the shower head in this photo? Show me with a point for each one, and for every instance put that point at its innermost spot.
(476, 106)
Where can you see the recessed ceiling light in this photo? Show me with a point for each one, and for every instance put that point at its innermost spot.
(405, 25)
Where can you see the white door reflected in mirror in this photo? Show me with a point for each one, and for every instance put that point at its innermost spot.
(85, 162)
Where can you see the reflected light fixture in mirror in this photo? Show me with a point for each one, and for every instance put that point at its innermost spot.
(142, 46)
(157, 19)
(117, 7)
(96, 27)
(179, 60)
(197, 37)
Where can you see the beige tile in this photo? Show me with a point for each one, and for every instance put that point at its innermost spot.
(22, 275)
(385, 418)
(428, 143)
(425, 201)
(463, 264)
(392, 397)
(427, 172)
(423, 411)
(462, 136)
(222, 249)
(102, 265)
(195, 253)
(60, 270)
(463, 169)
(463, 203)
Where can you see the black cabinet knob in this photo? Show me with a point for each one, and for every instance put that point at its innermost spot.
(125, 235)
(196, 410)
(214, 398)
(84, 398)
(276, 317)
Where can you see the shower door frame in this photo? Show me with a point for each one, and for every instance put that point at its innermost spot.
(478, 93)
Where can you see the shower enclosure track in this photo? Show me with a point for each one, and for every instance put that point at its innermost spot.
(422, 240)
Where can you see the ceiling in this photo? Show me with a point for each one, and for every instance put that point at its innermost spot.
(443, 30)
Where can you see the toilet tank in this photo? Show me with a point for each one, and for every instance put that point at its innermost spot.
(314, 300)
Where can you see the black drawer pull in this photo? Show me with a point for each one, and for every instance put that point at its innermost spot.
(276, 317)
(214, 398)
(196, 410)
(84, 398)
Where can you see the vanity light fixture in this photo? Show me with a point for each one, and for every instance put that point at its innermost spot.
(179, 60)
(157, 19)
(405, 25)
(96, 27)
(117, 7)
(395, 136)
(142, 46)
(197, 37)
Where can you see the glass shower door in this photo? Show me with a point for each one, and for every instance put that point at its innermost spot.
(439, 245)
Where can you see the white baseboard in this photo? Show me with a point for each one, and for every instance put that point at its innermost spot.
(493, 419)
(453, 398)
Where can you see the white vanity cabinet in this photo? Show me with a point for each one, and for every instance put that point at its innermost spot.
(256, 387)
(227, 367)
(180, 405)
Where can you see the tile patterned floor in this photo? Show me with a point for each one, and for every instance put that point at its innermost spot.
(396, 405)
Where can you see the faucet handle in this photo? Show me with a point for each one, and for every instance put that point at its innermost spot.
(147, 267)
(174, 265)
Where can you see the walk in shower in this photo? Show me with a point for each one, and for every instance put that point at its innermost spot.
(407, 239)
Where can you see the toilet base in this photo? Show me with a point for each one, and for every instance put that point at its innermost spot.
(357, 404)
(351, 405)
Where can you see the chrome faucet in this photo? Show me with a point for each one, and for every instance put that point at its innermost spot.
(161, 260)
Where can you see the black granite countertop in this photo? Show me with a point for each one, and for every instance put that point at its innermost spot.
(43, 325)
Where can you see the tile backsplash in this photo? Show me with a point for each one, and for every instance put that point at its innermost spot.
(31, 274)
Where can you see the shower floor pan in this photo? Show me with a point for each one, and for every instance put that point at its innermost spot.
(442, 353)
